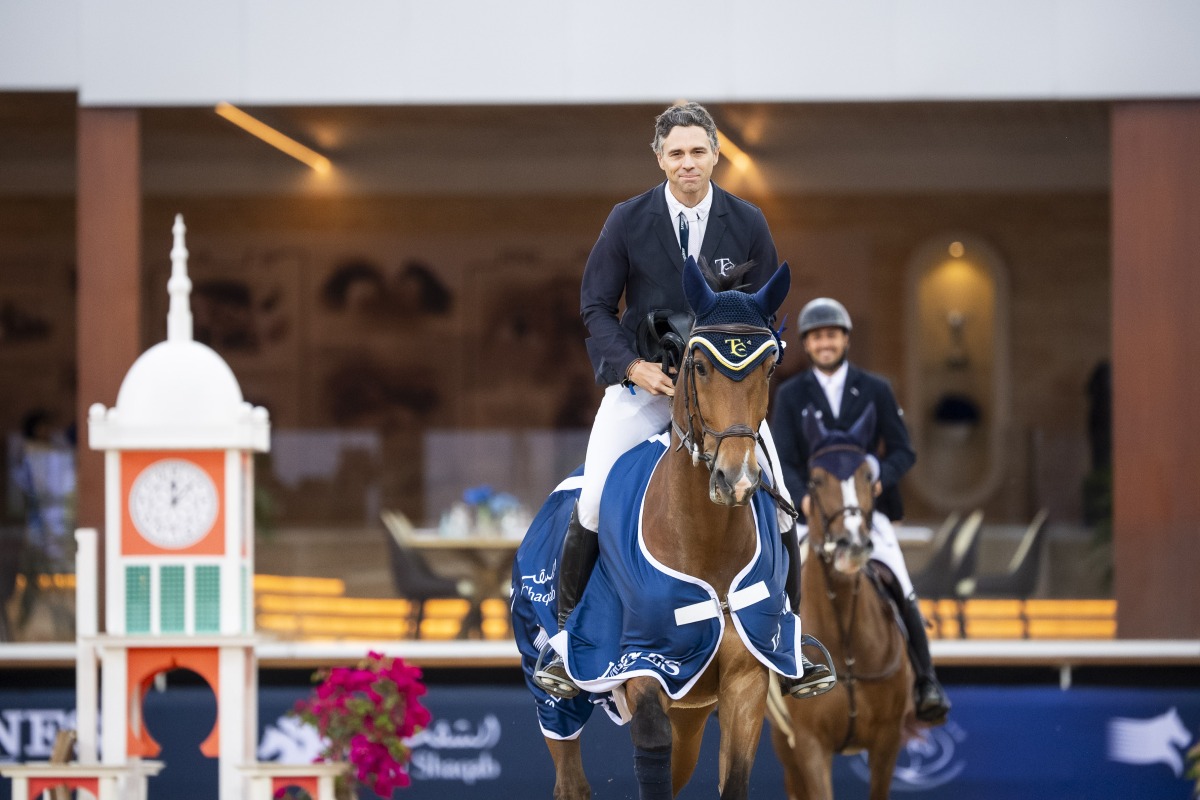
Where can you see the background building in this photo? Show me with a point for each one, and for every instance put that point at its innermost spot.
(410, 318)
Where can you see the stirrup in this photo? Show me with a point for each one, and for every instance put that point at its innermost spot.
(552, 676)
(802, 689)
(936, 711)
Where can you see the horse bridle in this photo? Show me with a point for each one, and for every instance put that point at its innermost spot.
(850, 676)
(691, 400)
(827, 548)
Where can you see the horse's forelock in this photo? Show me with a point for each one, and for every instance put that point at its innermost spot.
(731, 279)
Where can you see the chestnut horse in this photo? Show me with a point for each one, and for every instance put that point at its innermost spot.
(697, 520)
(871, 708)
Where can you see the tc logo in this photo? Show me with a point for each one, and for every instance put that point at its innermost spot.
(737, 346)
(724, 265)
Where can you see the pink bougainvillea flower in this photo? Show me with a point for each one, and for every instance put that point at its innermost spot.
(362, 713)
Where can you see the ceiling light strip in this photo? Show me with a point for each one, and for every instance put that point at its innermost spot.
(274, 138)
(736, 155)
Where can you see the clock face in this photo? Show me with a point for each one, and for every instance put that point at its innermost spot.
(173, 503)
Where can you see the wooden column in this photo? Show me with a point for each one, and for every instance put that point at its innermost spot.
(108, 241)
(1156, 368)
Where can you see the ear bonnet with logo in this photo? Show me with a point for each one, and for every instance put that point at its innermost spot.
(735, 354)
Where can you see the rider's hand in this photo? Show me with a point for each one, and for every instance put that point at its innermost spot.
(649, 376)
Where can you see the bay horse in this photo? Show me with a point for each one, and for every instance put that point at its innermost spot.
(696, 521)
(871, 707)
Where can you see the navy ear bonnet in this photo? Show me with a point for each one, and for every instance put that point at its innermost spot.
(736, 355)
(837, 452)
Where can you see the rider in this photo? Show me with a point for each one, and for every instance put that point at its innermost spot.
(640, 255)
(842, 391)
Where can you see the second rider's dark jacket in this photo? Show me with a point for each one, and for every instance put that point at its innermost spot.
(638, 256)
(862, 388)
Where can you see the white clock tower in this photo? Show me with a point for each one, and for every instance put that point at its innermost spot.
(179, 540)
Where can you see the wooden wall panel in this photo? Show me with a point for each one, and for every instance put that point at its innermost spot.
(108, 239)
(1156, 368)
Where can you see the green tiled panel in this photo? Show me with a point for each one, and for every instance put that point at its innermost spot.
(208, 599)
(171, 599)
(137, 600)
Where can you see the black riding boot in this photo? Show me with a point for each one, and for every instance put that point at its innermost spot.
(932, 704)
(814, 679)
(580, 549)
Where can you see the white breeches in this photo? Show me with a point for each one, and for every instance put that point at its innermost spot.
(886, 549)
(627, 419)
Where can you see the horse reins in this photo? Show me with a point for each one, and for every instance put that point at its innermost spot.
(691, 401)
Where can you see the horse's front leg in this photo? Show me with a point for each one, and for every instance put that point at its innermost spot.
(742, 706)
(650, 731)
(687, 729)
(881, 759)
(570, 783)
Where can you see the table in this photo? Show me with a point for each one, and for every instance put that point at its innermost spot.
(485, 561)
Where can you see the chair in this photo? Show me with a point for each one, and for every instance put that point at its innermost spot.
(1021, 578)
(411, 576)
(953, 559)
(930, 581)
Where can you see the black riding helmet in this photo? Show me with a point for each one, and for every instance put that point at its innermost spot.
(662, 337)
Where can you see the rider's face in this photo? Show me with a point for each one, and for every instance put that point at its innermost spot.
(688, 159)
(827, 347)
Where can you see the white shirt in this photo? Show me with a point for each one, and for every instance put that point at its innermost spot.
(697, 218)
(834, 385)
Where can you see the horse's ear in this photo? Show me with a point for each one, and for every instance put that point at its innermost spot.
(771, 296)
(812, 425)
(697, 291)
(864, 427)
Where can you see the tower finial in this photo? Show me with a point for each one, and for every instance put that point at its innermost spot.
(179, 316)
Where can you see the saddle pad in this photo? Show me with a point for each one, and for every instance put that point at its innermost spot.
(534, 610)
(639, 617)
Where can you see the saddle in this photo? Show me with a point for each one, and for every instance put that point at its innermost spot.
(881, 580)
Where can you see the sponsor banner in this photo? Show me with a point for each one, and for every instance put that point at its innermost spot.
(1001, 743)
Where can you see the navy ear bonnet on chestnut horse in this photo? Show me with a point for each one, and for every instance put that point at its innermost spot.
(837, 452)
(735, 354)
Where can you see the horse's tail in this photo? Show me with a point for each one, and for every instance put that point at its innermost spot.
(777, 711)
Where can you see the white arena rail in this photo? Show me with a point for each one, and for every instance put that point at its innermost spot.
(946, 652)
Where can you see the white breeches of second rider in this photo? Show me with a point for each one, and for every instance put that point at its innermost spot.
(626, 419)
(886, 549)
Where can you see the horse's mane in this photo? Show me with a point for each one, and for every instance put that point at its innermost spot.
(731, 280)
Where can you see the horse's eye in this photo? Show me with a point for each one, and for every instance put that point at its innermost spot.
(771, 371)
(701, 369)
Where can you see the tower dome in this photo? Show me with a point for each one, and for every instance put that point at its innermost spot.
(179, 393)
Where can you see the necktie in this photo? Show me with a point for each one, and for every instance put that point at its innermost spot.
(683, 235)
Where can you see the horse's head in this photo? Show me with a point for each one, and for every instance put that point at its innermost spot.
(724, 382)
(840, 491)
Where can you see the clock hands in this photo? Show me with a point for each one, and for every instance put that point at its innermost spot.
(177, 492)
